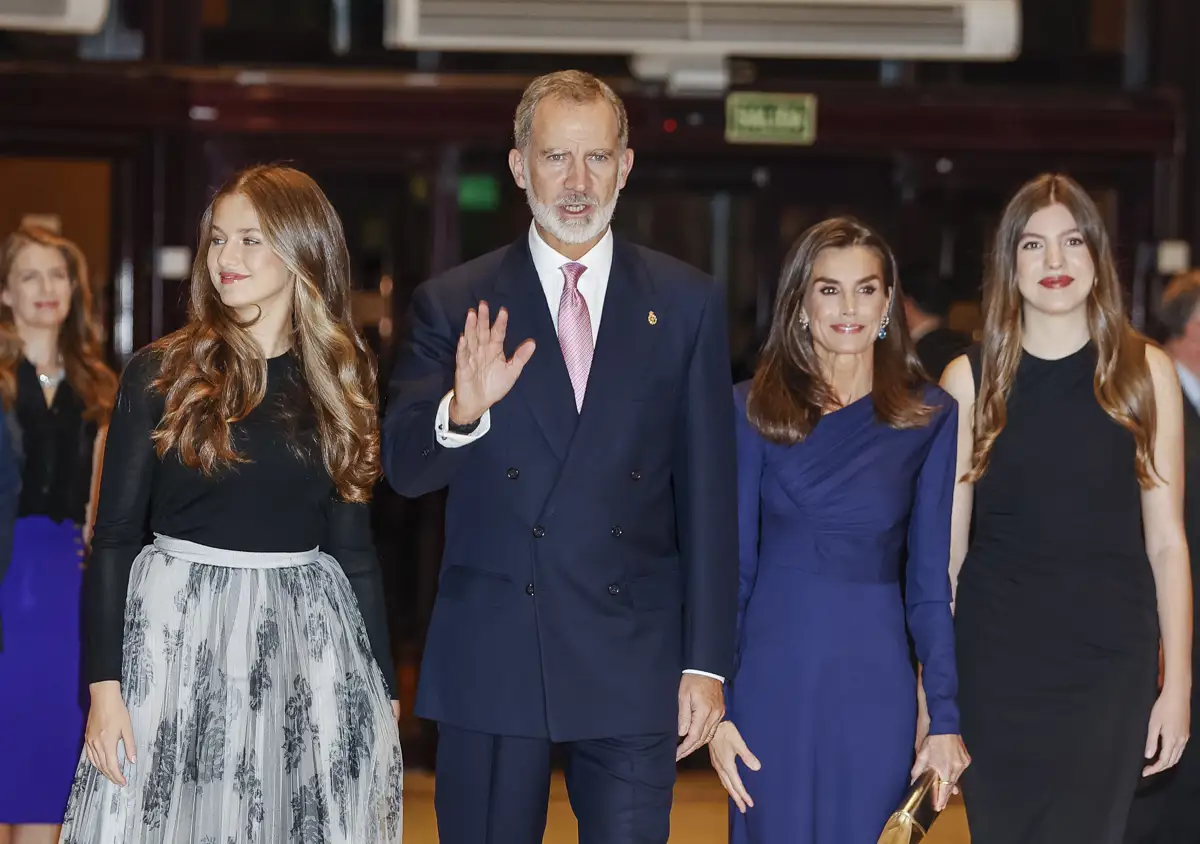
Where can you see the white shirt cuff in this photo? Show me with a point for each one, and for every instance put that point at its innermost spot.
(716, 677)
(448, 438)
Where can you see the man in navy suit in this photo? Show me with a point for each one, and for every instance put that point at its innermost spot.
(587, 596)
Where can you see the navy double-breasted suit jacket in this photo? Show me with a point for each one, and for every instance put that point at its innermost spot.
(590, 556)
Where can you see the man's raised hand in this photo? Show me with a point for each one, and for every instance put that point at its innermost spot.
(482, 373)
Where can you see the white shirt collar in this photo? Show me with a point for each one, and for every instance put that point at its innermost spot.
(593, 284)
(548, 261)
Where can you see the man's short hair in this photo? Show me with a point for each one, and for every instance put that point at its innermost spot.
(1179, 303)
(574, 86)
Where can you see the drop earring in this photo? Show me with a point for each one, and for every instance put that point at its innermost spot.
(883, 326)
(804, 322)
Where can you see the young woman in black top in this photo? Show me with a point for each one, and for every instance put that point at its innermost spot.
(58, 394)
(239, 663)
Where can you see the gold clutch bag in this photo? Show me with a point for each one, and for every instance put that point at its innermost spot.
(911, 821)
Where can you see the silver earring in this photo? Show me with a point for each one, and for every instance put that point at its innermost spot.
(883, 326)
(804, 322)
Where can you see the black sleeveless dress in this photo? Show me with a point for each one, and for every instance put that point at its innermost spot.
(1057, 629)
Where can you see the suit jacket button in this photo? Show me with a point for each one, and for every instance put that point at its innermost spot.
(616, 531)
(528, 588)
(614, 589)
(635, 475)
(425, 452)
(513, 474)
(539, 531)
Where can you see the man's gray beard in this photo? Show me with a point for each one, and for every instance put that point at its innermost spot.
(580, 231)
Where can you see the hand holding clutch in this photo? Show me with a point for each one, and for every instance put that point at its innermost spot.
(945, 756)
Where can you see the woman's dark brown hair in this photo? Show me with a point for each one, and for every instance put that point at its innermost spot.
(213, 372)
(789, 394)
(78, 337)
(1122, 382)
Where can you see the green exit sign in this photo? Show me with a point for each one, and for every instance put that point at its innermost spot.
(478, 192)
(762, 118)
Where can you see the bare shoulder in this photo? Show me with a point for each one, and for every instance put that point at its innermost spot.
(959, 382)
(1168, 393)
(1162, 369)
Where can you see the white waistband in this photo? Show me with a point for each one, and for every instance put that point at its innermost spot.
(194, 552)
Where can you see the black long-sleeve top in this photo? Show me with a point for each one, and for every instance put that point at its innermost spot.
(281, 500)
(57, 444)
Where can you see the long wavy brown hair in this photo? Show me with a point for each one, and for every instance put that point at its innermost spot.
(1122, 382)
(78, 337)
(789, 393)
(214, 373)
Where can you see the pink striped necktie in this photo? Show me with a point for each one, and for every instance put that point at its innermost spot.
(575, 331)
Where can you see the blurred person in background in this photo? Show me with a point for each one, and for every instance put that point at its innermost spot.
(926, 307)
(1069, 554)
(239, 665)
(56, 387)
(1167, 810)
(846, 458)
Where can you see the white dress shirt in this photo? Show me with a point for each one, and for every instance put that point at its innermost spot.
(593, 285)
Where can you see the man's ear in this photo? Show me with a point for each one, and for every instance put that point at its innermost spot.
(516, 163)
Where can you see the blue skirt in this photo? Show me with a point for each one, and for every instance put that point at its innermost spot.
(41, 688)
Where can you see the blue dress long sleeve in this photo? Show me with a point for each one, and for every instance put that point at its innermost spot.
(844, 553)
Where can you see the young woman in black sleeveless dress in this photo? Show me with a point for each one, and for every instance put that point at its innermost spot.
(1069, 516)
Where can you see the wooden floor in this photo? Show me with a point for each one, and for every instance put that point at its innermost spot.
(699, 816)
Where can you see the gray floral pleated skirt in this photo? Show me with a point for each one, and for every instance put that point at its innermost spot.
(259, 714)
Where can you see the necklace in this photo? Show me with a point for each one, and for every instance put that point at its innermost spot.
(49, 381)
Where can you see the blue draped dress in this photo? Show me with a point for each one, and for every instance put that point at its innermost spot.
(844, 552)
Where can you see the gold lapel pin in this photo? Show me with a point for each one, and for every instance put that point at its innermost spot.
(652, 318)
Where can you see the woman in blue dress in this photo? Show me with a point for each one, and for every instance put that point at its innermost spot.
(59, 393)
(846, 458)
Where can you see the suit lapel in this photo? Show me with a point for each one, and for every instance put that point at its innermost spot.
(620, 348)
(544, 385)
(619, 345)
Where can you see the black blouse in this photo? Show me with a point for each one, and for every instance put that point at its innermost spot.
(57, 445)
(277, 501)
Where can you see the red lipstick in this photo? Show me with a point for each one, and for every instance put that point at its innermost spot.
(1056, 282)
